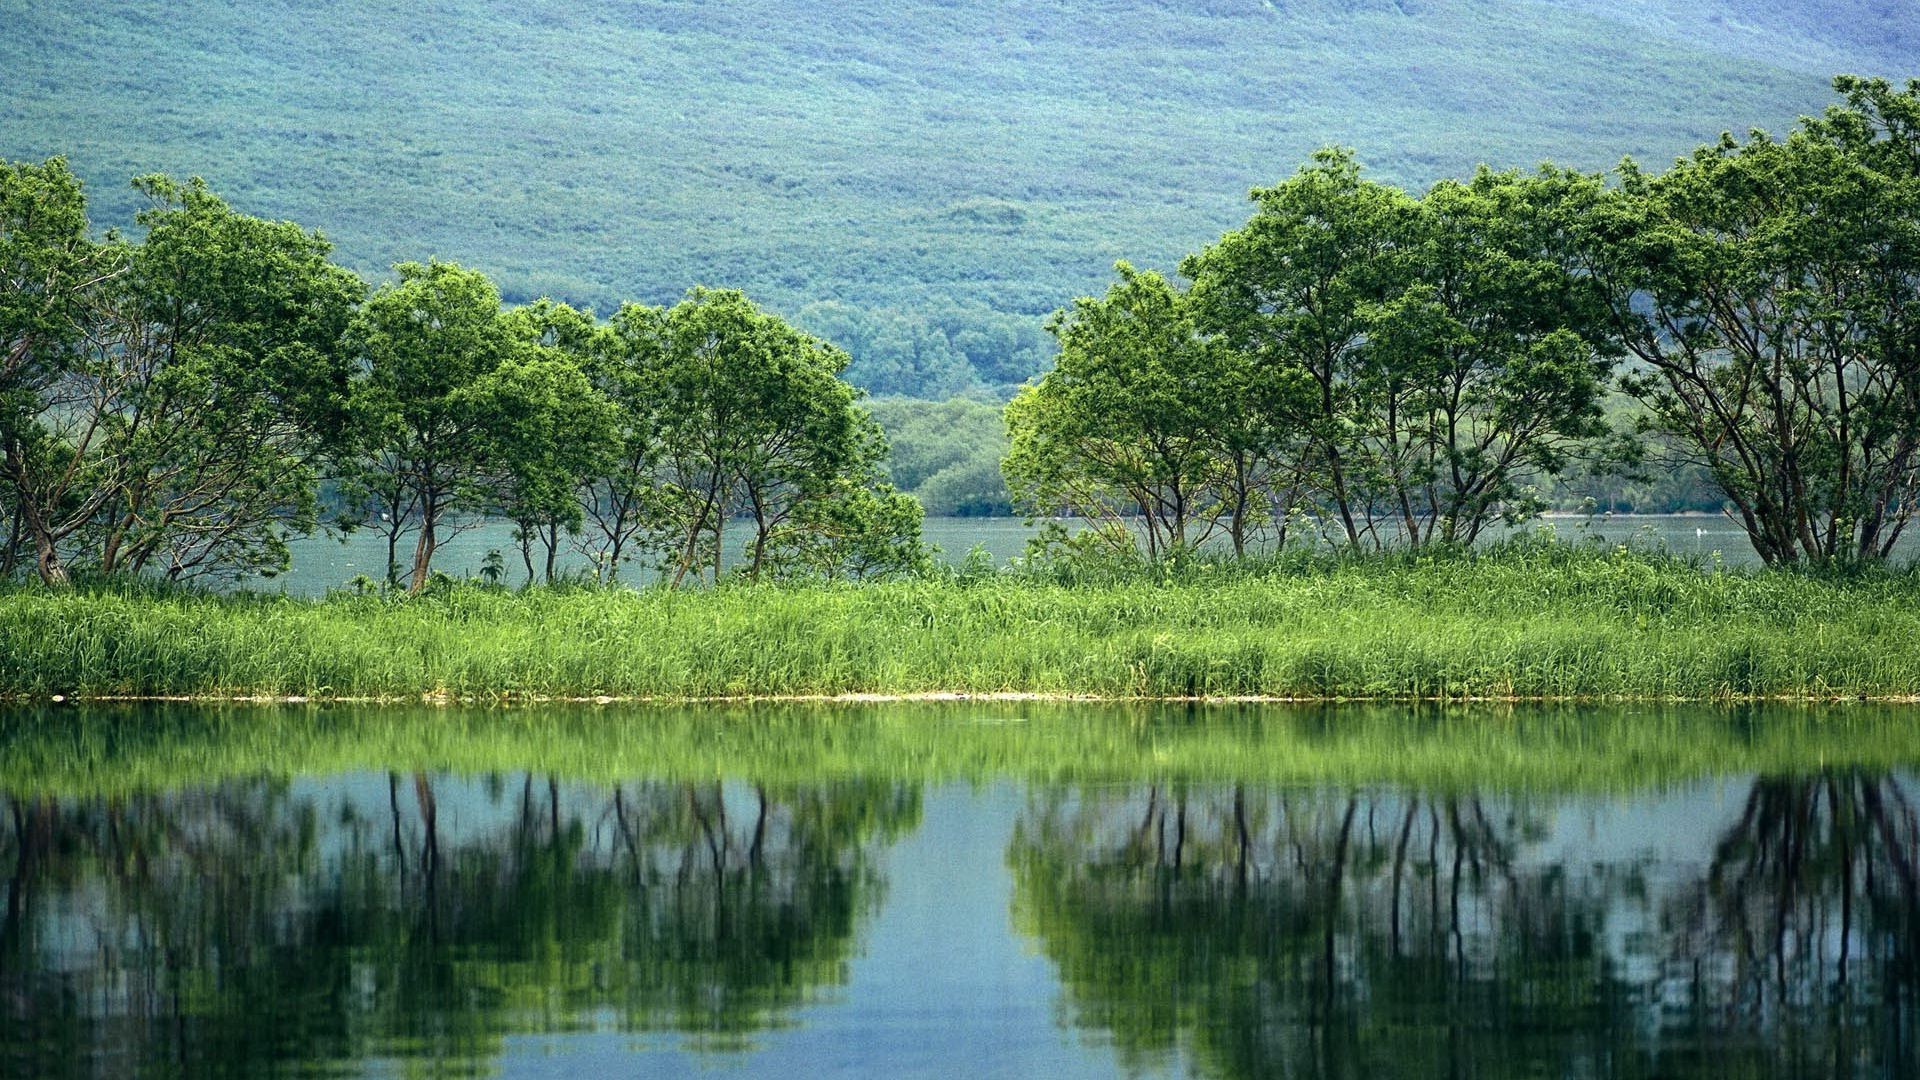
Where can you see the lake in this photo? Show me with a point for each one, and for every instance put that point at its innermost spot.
(999, 889)
(321, 563)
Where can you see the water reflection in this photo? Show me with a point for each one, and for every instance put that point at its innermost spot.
(419, 920)
(252, 927)
(1392, 934)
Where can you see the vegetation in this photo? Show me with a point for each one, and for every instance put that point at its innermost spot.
(1527, 621)
(947, 454)
(1407, 371)
(1771, 294)
(165, 404)
(601, 154)
(170, 406)
(1383, 370)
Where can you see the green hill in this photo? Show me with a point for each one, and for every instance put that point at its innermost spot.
(920, 178)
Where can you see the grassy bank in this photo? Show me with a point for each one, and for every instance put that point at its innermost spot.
(123, 748)
(1531, 622)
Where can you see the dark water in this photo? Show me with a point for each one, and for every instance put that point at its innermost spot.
(519, 923)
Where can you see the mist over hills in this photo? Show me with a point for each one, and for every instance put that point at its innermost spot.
(918, 180)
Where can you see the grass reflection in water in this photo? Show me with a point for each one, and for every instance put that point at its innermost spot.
(1231, 891)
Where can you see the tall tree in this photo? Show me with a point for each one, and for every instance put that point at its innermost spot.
(552, 428)
(620, 502)
(423, 430)
(220, 366)
(175, 422)
(1128, 419)
(1769, 292)
(1486, 365)
(1297, 288)
(754, 420)
(47, 265)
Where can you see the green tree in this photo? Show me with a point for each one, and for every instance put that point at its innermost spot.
(862, 530)
(47, 264)
(421, 410)
(1769, 293)
(756, 421)
(1125, 423)
(168, 401)
(219, 379)
(552, 429)
(1413, 366)
(620, 501)
(1485, 369)
(1297, 289)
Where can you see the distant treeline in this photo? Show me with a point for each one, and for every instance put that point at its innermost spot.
(948, 454)
(1386, 370)
(1355, 364)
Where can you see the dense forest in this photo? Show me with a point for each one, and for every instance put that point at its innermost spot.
(920, 183)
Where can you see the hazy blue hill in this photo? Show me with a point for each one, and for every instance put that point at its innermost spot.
(1867, 37)
(963, 163)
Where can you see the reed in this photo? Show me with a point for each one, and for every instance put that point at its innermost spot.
(1539, 622)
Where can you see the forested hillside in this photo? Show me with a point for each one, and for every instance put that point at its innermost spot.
(921, 181)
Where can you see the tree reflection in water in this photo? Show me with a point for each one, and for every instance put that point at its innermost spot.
(1386, 934)
(253, 928)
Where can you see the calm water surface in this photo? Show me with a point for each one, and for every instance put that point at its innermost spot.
(1028, 919)
(321, 563)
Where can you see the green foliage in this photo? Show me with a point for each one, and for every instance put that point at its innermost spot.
(168, 407)
(45, 259)
(552, 430)
(227, 362)
(1528, 621)
(947, 454)
(860, 532)
(960, 166)
(1132, 418)
(422, 414)
(1767, 291)
(755, 421)
(1408, 367)
(167, 402)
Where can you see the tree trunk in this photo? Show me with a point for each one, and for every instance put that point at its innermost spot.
(423, 551)
(46, 553)
(10, 555)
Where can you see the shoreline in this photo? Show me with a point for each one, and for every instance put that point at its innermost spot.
(937, 697)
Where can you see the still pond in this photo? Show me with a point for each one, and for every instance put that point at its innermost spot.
(962, 889)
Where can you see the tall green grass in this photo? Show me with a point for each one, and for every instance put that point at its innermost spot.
(1544, 621)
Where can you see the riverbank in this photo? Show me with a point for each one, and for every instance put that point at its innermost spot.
(1540, 622)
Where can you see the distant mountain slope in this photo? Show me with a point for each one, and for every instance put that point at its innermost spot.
(933, 157)
(1865, 37)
